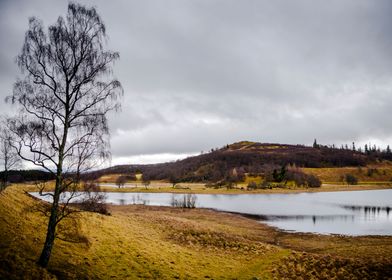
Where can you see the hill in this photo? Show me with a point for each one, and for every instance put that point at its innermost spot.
(231, 162)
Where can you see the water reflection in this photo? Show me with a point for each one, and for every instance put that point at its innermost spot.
(352, 213)
(369, 212)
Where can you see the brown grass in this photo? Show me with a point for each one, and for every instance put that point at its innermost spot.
(377, 173)
(169, 243)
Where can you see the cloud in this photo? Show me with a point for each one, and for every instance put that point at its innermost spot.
(201, 74)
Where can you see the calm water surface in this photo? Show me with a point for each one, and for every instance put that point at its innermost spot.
(350, 213)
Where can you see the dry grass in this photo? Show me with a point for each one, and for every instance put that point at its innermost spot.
(200, 188)
(381, 178)
(111, 178)
(378, 173)
(241, 189)
(134, 242)
(311, 266)
(165, 243)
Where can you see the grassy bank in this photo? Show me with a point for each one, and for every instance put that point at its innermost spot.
(159, 187)
(197, 188)
(167, 243)
(204, 190)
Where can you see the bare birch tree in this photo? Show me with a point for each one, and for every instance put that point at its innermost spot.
(63, 99)
(8, 156)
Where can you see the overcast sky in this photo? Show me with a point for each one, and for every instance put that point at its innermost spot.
(202, 74)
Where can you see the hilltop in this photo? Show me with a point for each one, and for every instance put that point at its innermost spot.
(252, 158)
(239, 161)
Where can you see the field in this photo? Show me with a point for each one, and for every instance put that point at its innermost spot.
(171, 243)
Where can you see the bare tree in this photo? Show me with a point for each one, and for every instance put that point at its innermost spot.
(174, 179)
(63, 98)
(120, 181)
(146, 183)
(8, 155)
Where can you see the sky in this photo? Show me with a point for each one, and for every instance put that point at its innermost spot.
(202, 74)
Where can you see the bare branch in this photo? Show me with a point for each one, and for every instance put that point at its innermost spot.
(63, 99)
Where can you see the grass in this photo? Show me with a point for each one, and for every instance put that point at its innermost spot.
(159, 187)
(376, 176)
(169, 243)
(381, 173)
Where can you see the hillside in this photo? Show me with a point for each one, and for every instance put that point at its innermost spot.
(232, 162)
(143, 242)
(235, 160)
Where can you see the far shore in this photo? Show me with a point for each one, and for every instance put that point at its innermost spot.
(238, 190)
(200, 188)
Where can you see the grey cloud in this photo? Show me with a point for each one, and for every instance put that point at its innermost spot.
(200, 74)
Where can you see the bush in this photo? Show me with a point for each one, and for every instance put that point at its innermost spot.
(252, 186)
(146, 183)
(94, 200)
(188, 201)
(265, 185)
(371, 172)
(313, 181)
(3, 185)
(302, 179)
(299, 178)
(351, 179)
(230, 185)
(121, 180)
(221, 184)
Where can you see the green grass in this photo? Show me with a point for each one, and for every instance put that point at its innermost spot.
(142, 242)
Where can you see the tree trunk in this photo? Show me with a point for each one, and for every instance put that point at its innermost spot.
(5, 174)
(53, 219)
(5, 179)
(51, 231)
(50, 235)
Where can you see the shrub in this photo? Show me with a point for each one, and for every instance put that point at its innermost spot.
(3, 185)
(298, 177)
(252, 186)
(302, 179)
(146, 183)
(351, 179)
(230, 185)
(188, 201)
(121, 180)
(371, 171)
(265, 185)
(313, 181)
(94, 200)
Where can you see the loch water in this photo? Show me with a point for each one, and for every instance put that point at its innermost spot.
(344, 212)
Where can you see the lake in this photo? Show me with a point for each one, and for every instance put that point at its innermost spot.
(349, 213)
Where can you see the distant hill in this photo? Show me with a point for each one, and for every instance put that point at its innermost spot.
(248, 157)
(231, 162)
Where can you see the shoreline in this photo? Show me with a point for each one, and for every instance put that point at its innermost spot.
(198, 188)
(205, 190)
(261, 219)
